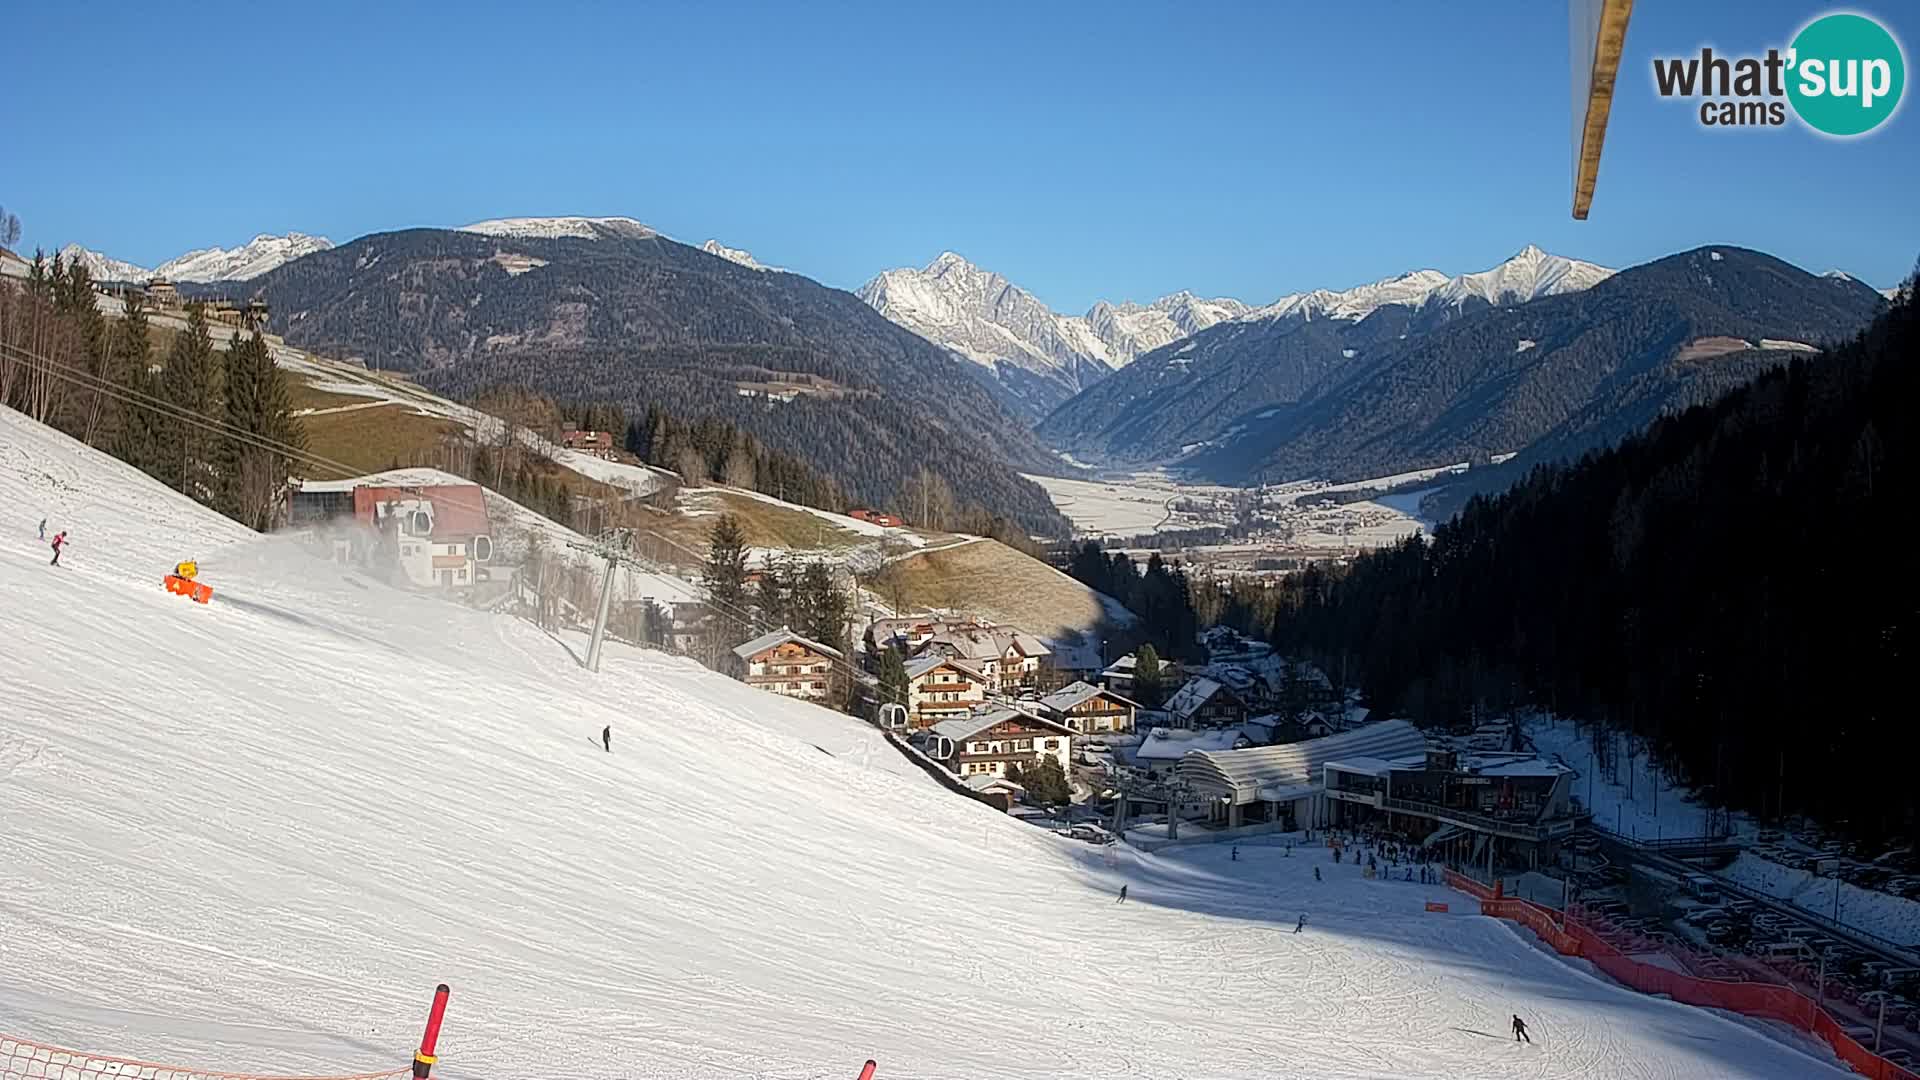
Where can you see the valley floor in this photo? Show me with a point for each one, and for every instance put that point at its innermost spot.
(253, 835)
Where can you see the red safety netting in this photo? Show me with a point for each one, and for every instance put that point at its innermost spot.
(21, 1059)
(1758, 999)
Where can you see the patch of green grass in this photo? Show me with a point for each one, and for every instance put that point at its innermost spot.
(370, 440)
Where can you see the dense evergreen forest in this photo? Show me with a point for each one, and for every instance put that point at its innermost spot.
(215, 425)
(1726, 585)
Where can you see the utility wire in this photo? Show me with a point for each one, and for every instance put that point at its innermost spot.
(169, 410)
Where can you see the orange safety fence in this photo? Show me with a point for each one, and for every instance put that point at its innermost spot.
(1764, 1000)
(23, 1059)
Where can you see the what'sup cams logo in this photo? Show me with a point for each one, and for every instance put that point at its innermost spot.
(1842, 76)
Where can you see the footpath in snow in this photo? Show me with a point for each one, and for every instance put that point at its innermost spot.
(253, 835)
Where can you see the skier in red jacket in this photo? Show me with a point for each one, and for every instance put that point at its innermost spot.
(59, 541)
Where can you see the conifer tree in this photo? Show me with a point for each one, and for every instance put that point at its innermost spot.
(190, 384)
(893, 676)
(256, 455)
(1147, 686)
(725, 580)
(137, 435)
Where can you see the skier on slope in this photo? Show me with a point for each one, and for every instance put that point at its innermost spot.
(1520, 1030)
(43, 528)
(1316, 873)
(606, 737)
(59, 541)
(1301, 925)
(1123, 895)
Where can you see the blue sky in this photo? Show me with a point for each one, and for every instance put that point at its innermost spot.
(1110, 150)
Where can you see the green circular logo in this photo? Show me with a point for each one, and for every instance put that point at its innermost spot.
(1846, 74)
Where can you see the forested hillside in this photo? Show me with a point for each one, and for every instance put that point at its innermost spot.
(1727, 585)
(641, 320)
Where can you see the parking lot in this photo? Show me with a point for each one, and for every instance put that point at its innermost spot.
(1650, 906)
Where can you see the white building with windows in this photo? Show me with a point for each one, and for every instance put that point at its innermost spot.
(989, 742)
(787, 664)
(942, 688)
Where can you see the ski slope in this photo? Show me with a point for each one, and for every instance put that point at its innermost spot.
(253, 835)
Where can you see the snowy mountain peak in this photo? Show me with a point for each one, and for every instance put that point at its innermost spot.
(250, 260)
(550, 228)
(102, 267)
(949, 260)
(1529, 275)
(737, 255)
(982, 316)
(257, 256)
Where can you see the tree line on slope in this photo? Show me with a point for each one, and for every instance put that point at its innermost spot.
(1720, 586)
(805, 597)
(83, 373)
(871, 442)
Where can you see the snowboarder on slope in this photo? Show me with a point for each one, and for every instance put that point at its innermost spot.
(1297, 927)
(1520, 1031)
(1123, 895)
(59, 541)
(606, 737)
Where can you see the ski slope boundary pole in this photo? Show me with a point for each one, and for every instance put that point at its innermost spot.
(424, 1058)
(866, 1071)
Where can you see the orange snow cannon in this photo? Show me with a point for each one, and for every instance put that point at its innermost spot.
(181, 583)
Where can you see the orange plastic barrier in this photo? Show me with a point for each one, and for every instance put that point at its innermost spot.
(180, 586)
(26, 1060)
(1434, 905)
(1765, 1000)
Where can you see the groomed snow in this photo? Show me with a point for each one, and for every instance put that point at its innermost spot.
(253, 835)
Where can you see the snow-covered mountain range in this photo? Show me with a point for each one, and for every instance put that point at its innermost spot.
(1035, 356)
(249, 260)
(1529, 275)
(550, 228)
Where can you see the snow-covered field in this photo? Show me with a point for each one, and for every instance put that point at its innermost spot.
(1104, 508)
(1155, 501)
(253, 835)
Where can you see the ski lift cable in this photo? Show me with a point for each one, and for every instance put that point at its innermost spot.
(169, 410)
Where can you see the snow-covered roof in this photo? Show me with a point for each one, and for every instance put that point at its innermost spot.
(1242, 773)
(1193, 696)
(1168, 744)
(921, 665)
(780, 637)
(1122, 667)
(1079, 693)
(967, 727)
(986, 642)
(1511, 765)
(988, 782)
